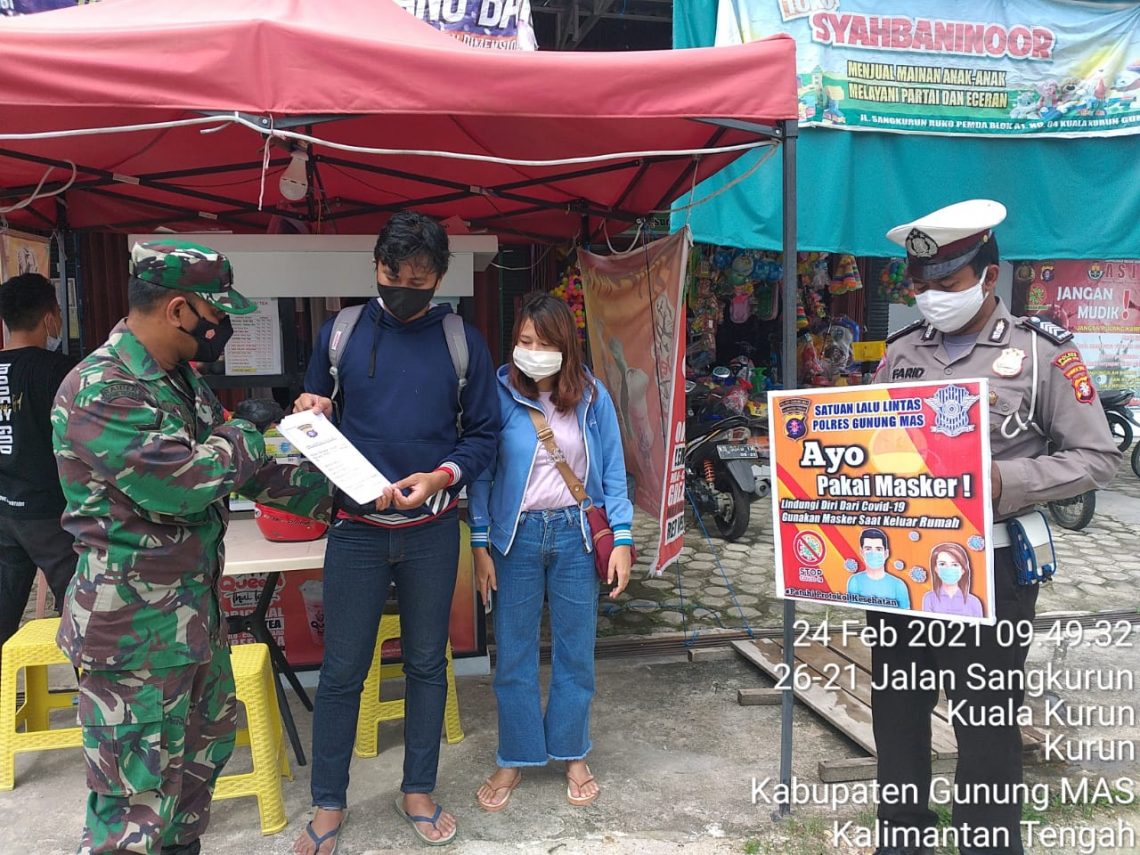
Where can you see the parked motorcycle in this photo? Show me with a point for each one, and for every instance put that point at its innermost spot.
(1119, 414)
(724, 472)
(1077, 512)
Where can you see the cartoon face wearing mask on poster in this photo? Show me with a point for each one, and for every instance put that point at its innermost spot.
(951, 578)
(875, 583)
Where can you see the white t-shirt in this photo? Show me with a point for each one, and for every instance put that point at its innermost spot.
(547, 489)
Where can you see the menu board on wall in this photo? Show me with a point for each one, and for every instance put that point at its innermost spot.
(255, 348)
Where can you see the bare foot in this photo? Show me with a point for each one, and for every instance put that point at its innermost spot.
(323, 822)
(420, 804)
(496, 792)
(583, 789)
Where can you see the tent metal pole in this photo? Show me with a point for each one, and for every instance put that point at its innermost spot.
(675, 189)
(788, 379)
(188, 213)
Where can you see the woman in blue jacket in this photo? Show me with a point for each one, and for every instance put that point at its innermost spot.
(531, 540)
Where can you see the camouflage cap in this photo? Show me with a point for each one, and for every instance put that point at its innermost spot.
(187, 266)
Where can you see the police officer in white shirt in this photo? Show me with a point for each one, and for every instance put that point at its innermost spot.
(1049, 440)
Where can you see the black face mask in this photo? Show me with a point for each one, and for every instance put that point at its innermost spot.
(405, 303)
(212, 338)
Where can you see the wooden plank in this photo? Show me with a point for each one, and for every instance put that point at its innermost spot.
(942, 740)
(866, 768)
(759, 697)
(860, 654)
(848, 707)
(842, 710)
(710, 654)
(856, 651)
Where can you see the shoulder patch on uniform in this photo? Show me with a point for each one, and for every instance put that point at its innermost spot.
(907, 330)
(1053, 332)
(118, 391)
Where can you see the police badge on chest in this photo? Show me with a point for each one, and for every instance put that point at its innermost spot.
(1010, 362)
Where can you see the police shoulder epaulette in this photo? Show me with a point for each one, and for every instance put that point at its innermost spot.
(1053, 332)
(909, 328)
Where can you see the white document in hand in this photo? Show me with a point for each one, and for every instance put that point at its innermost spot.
(319, 440)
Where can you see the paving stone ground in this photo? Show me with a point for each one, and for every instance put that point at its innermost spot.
(719, 585)
(728, 586)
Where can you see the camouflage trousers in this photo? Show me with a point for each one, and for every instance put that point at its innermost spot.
(154, 743)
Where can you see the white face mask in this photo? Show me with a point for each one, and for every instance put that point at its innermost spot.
(54, 342)
(949, 311)
(537, 364)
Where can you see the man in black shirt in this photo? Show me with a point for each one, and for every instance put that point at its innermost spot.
(31, 500)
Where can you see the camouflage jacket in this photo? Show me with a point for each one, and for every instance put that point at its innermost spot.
(146, 461)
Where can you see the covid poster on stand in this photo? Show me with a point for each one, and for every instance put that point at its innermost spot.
(635, 317)
(882, 498)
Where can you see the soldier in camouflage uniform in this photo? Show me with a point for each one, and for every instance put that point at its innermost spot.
(146, 460)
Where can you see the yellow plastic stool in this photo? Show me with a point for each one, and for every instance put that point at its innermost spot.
(253, 678)
(32, 649)
(373, 710)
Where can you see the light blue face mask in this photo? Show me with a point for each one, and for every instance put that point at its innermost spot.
(950, 574)
(875, 560)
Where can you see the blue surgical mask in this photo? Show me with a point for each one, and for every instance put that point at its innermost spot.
(950, 574)
(875, 560)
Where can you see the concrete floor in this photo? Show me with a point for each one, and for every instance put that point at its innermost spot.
(673, 751)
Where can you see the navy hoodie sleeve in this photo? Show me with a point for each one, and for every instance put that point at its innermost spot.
(481, 413)
(317, 378)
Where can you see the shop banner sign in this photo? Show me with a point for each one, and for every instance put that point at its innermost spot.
(635, 316)
(492, 24)
(882, 498)
(988, 68)
(1099, 302)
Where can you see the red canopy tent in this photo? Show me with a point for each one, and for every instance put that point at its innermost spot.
(637, 128)
(361, 73)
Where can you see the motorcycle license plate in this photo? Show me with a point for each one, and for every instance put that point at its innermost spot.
(738, 452)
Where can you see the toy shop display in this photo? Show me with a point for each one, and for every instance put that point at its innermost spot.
(895, 285)
(569, 290)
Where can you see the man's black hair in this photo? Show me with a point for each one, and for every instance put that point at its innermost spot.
(874, 534)
(145, 297)
(986, 256)
(415, 237)
(25, 299)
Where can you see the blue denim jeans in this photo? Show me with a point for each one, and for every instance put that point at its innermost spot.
(547, 558)
(360, 564)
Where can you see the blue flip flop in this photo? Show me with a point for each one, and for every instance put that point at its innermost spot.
(430, 820)
(333, 835)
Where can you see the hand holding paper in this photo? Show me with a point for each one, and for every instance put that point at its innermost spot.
(322, 443)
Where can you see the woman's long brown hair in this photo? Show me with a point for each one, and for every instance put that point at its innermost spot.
(957, 551)
(554, 324)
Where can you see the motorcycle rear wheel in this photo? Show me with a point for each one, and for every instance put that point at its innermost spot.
(1075, 513)
(1136, 460)
(733, 523)
(1122, 433)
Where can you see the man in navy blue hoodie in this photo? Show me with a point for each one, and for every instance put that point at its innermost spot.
(399, 405)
